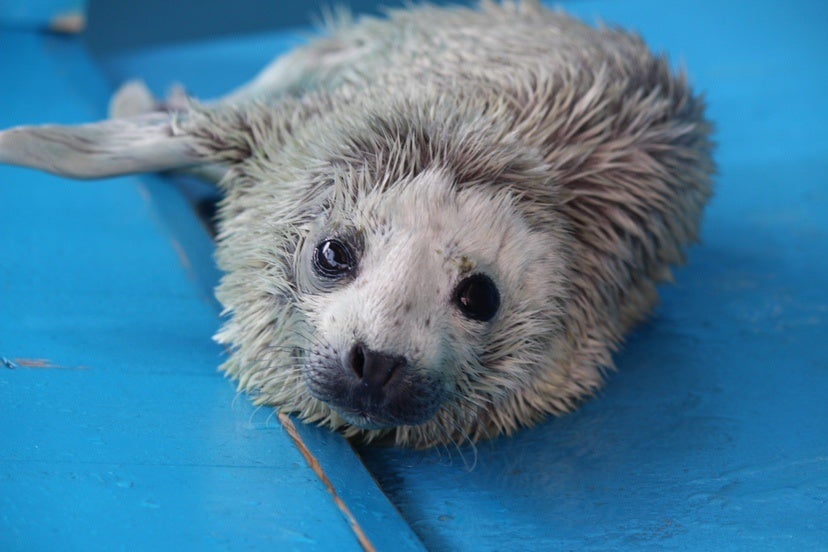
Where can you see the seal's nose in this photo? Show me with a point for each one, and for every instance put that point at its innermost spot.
(373, 369)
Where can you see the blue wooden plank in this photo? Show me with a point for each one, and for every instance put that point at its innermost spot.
(207, 69)
(113, 25)
(116, 431)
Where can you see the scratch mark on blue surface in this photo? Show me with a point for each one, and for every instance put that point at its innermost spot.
(13, 364)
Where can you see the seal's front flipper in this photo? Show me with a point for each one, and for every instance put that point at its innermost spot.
(147, 143)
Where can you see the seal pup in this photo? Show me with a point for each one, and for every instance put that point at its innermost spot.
(437, 226)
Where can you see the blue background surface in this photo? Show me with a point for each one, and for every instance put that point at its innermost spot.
(713, 434)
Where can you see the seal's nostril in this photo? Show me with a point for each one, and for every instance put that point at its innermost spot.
(373, 370)
(356, 358)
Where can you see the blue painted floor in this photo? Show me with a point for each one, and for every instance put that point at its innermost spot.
(116, 431)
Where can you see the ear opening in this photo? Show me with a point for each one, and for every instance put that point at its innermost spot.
(152, 142)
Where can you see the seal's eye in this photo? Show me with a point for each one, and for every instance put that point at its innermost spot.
(477, 297)
(333, 259)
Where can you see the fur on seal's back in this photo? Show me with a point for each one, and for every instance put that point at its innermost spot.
(597, 144)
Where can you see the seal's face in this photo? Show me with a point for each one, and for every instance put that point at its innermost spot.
(408, 294)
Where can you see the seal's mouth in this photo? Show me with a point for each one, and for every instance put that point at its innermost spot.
(398, 407)
(408, 397)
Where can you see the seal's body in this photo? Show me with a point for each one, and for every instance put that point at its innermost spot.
(438, 226)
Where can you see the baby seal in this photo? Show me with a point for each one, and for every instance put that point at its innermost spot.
(438, 226)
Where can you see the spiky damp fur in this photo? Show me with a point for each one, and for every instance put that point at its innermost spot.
(568, 163)
(584, 136)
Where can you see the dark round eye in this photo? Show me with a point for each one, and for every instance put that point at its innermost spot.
(477, 297)
(333, 259)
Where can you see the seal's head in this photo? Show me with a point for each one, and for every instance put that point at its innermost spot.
(406, 277)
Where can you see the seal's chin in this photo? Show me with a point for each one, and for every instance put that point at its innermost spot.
(364, 420)
(369, 419)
